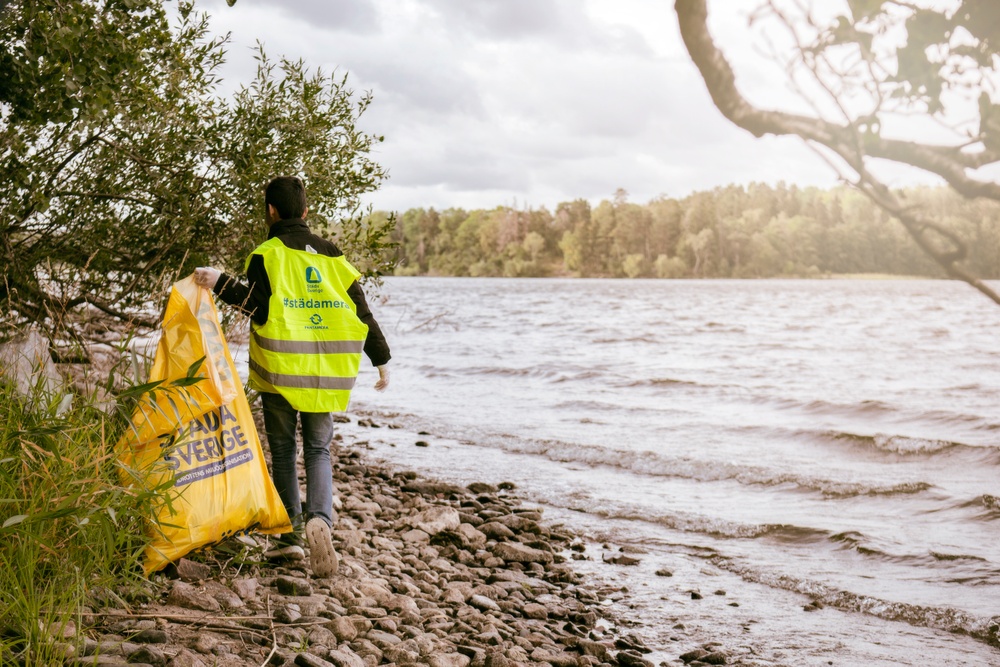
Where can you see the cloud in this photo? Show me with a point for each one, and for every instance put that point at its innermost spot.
(534, 101)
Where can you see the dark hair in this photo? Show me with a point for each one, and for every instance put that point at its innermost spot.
(288, 195)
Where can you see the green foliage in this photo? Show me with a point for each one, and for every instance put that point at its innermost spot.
(756, 231)
(121, 167)
(936, 56)
(70, 529)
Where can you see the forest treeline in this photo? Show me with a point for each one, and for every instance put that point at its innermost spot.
(754, 231)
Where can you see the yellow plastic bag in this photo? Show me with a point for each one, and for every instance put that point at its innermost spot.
(196, 437)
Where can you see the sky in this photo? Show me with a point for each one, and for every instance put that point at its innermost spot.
(529, 103)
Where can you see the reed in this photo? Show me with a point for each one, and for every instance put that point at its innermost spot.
(72, 526)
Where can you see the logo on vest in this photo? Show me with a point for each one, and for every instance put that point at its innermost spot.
(312, 275)
(316, 318)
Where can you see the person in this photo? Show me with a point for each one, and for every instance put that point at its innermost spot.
(309, 325)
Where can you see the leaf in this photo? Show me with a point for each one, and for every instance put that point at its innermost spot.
(864, 9)
(193, 368)
(14, 520)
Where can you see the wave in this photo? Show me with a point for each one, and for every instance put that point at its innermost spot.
(983, 628)
(967, 568)
(687, 522)
(913, 446)
(657, 465)
(987, 507)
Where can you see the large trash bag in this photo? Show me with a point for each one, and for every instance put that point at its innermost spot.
(193, 436)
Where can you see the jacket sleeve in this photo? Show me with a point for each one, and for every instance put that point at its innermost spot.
(376, 348)
(251, 297)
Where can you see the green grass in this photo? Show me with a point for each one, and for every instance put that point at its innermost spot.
(71, 528)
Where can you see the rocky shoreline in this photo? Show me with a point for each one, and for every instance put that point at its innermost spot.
(430, 574)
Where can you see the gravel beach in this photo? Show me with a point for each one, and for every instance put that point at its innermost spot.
(430, 574)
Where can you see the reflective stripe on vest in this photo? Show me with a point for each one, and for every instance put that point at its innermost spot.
(309, 350)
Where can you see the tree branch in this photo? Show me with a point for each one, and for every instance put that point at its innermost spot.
(948, 162)
(852, 146)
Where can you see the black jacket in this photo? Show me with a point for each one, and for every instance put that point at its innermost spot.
(254, 296)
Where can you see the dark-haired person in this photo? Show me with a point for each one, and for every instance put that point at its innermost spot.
(309, 325)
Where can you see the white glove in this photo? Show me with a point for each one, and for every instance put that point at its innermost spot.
(206, 276)
(383, 378)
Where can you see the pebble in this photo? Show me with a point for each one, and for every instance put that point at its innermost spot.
(431, 573)
(293, 586)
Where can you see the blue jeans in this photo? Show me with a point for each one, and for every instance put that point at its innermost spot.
(280, 419)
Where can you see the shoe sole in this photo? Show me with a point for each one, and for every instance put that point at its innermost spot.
(322, 557)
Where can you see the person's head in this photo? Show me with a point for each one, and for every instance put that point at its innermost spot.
(285, 198)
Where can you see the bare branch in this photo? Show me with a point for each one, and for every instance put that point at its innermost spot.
(948, 162)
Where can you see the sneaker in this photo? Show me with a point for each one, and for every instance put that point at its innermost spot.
(322, 557)
(286, 547)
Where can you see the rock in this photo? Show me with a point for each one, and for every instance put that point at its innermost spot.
(481, 487)
(696, 595)
(415, 536)
(514, 552)
(632, 643)
(664, 573)
(433, 488)
(320, 636)
(343, 629)
(191, 571)
(484, 603)
(205, 643)
(720, 592)
(223, 595)
(60, 629)
(245, 588)
(400, 655)
(289, 613)
(422, 443)
(556, 659)
(716, 658)
(151, 636)
(186, 658)
(537, 611)
(694, 655)
(470, 519)
(99, 661)
(595, 649)
(148, 655)
(383, 639)
(519, 523)
(454, 596)
(185, 595)
(621, 560)
(345, 657)
(449, 660)
(631, 659)
(293, 585)
(310, 660)
(496, 531)
(436, 520)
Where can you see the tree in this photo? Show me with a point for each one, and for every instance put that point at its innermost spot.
(121, 167)
(867, 85)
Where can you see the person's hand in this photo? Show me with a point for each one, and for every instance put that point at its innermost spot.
(383, 378)
(206, 276)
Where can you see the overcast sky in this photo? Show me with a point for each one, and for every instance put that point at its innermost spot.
(530, 102)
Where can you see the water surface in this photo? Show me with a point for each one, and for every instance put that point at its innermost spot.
(799, 440)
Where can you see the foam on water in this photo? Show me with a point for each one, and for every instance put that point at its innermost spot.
(830, 439)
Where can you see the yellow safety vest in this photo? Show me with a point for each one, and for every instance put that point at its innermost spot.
(309, 350)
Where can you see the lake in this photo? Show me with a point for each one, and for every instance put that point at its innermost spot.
(827, 443)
